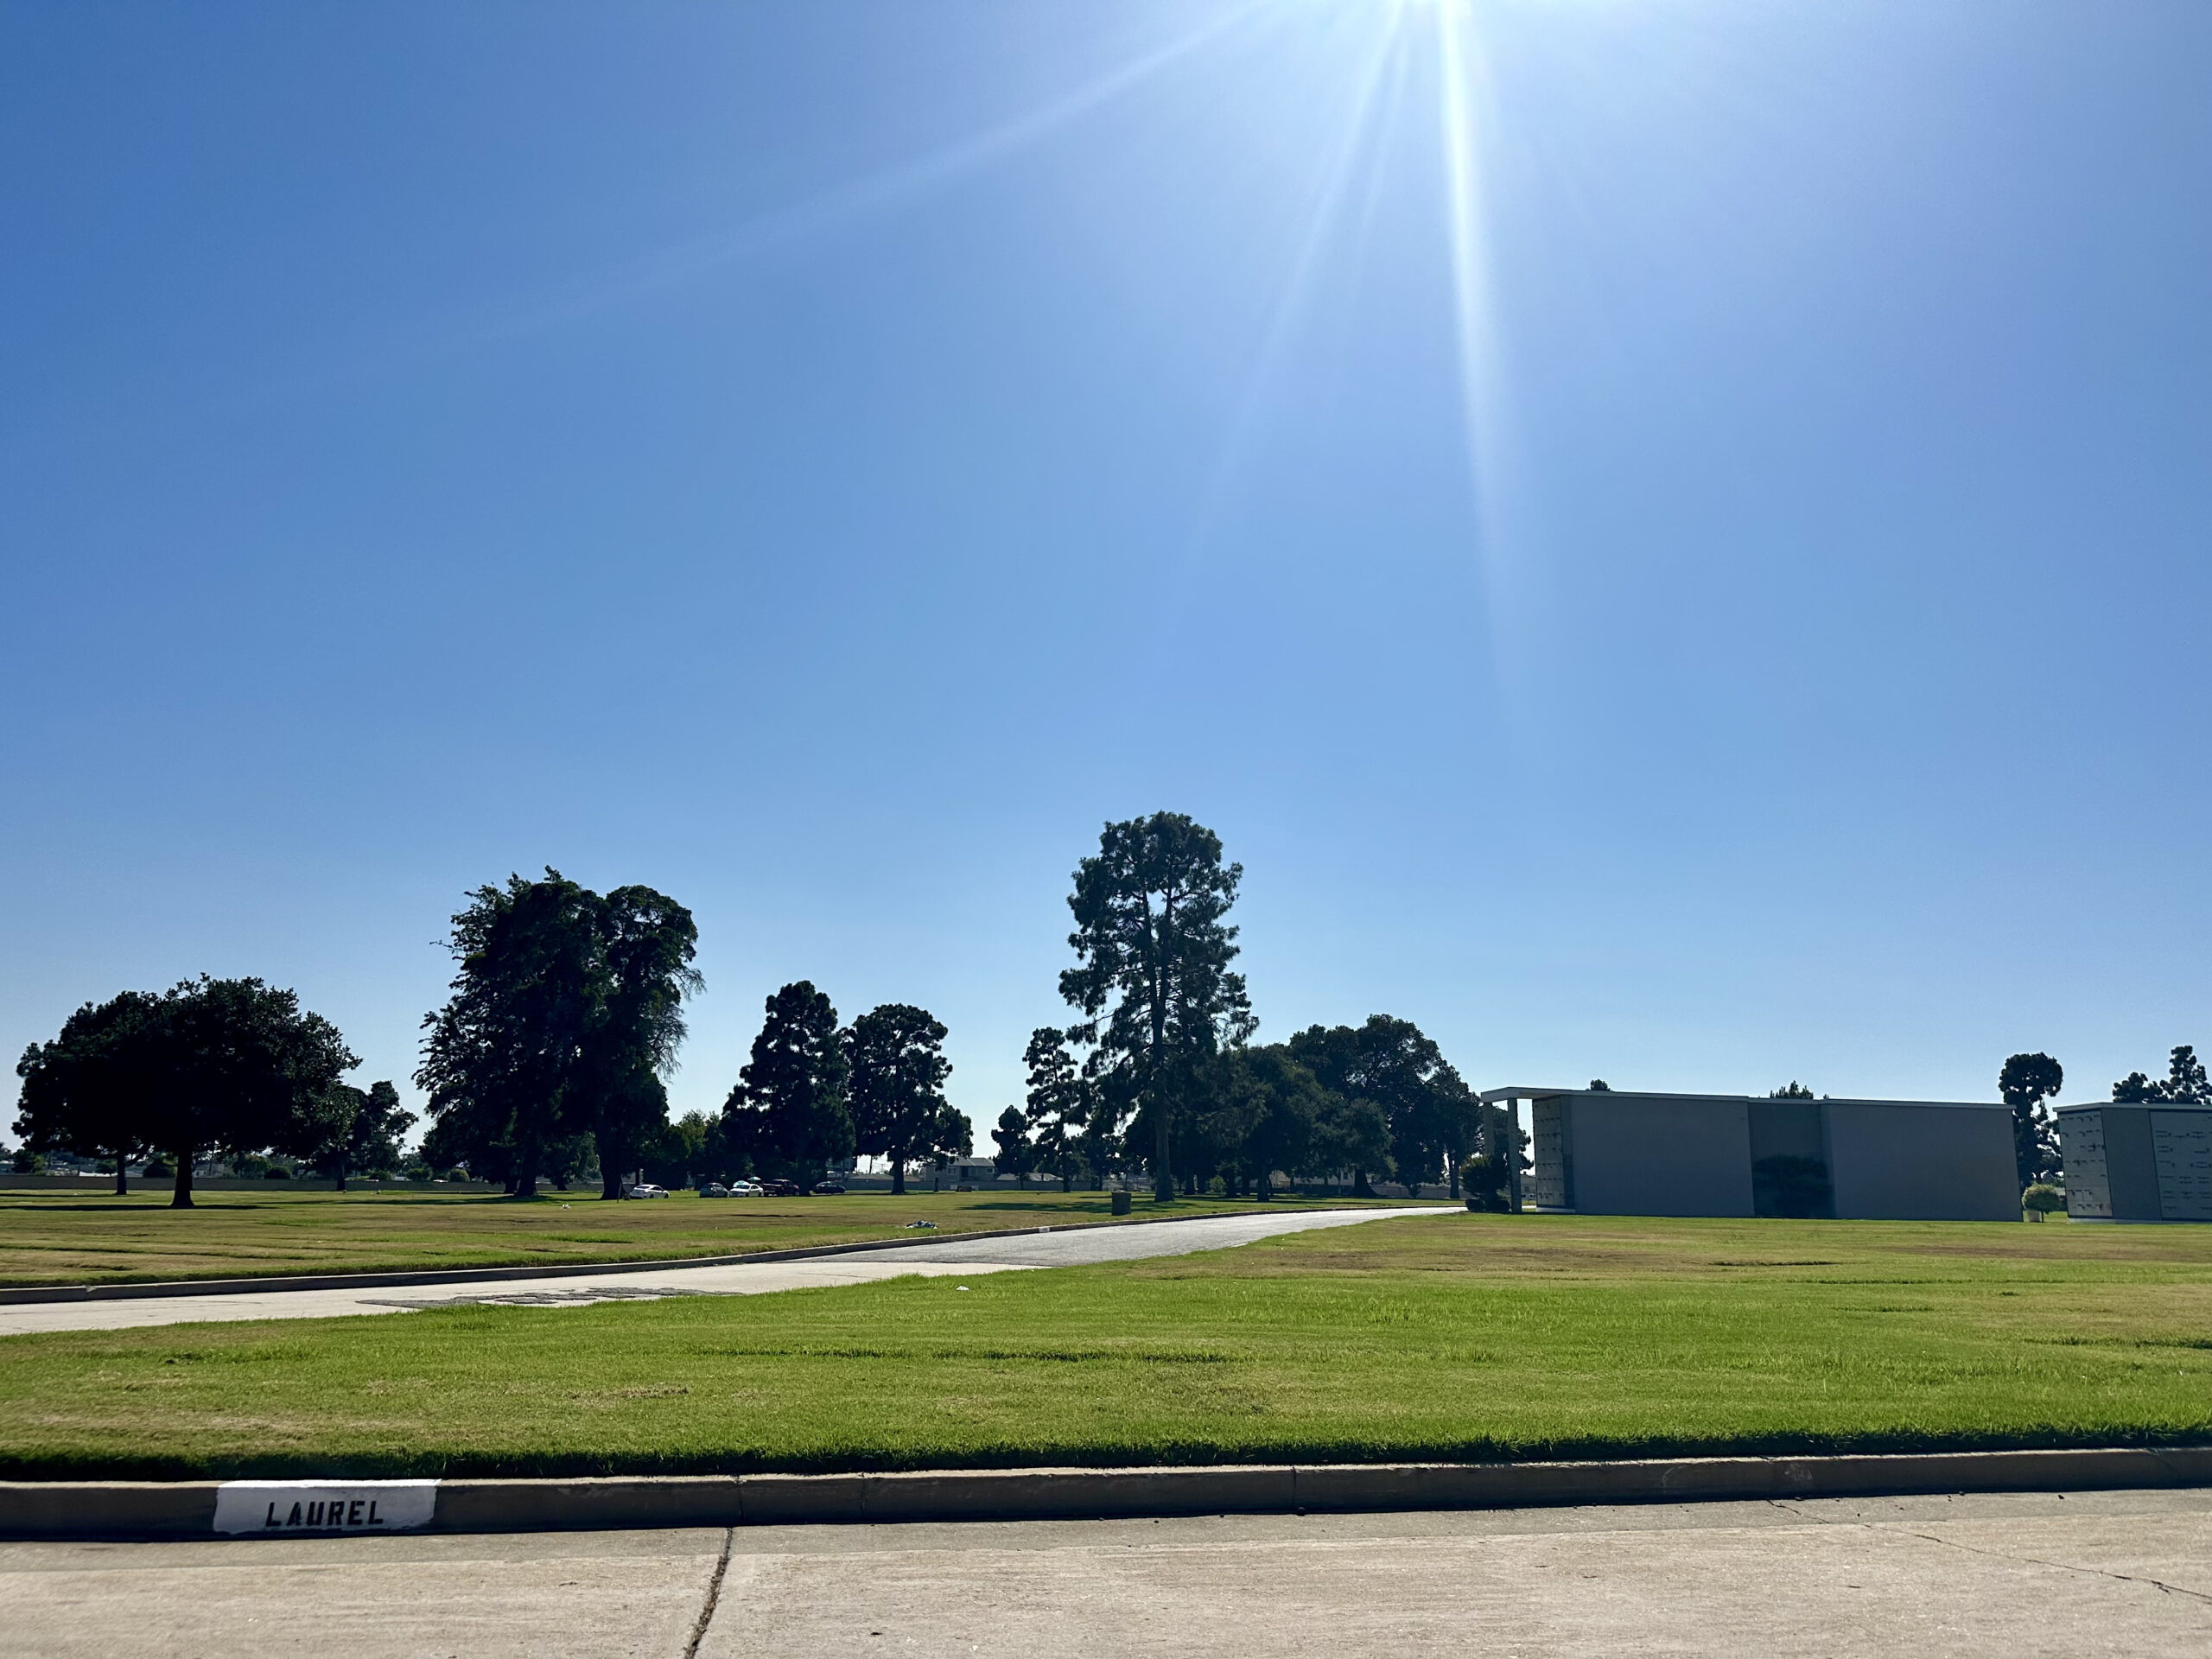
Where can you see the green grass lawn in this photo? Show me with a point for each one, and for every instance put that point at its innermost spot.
(1463, 1337)
(75, 1237)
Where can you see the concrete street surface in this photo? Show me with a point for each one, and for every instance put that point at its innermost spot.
(1127, 1242)
(2007, 1575)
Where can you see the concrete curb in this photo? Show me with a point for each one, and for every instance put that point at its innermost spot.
(126, 1289)
(186, 1509)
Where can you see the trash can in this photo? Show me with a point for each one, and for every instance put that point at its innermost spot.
(1121, 1200)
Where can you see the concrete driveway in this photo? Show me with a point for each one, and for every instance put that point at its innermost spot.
(1996, 1575)
(1127, 1242)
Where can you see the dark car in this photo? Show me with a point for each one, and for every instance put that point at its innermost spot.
(828, 1190)
(776, 1189)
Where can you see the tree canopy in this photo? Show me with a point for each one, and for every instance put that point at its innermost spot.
(788, 1111)
(564, 1019)
(2025, 1082)
(1430, 1112)
(1152, 979)
(93, 1090)
(224, 1065)
(2185, 1081)
(1063, 1109)
(1017, 1153)
(362, 1135)
(895, 1076)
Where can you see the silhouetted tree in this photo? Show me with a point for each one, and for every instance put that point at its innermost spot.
(92, 1090)
(1432, 1115)
(505, 1053)
(896, 1071)
(1153, 981)
(224, 1065)
(1061, 1105)
(1792, 1089)
(564, 1020)
(645, 941)
(1017, 1153)
(788, 1108)
(1269, 1112)
(2185, 1081)
(2025, 1082)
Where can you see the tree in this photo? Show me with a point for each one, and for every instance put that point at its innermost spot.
(2186, 1075)
(361, 1134)
(1153, 980)
(1017, 1153)
(1792, 1089)
(565, 1019)
(788, 1108)
(1432, 1115)
(504, 1051)
(1270, 1110)
(2025, 1082)
(679, 1152)
(1349, 1134)
(646, 943)
(896, 1071)
(952, 1136)
(1062, 1107)
(224, 1066)
(92, 1090)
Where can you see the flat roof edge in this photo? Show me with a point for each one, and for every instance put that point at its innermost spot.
(1492, 1096)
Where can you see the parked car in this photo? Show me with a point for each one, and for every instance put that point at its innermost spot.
(647, 1190)
(828, 1190)
(745, 1189)
(776, 1189)
(713, 1190)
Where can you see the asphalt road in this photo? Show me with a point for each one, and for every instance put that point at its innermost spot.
(1128, 1242)
(1986, 1577)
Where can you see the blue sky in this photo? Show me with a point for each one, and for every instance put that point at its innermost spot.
(1669, 535)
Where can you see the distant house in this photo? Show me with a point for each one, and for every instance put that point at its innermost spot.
(2136, 1163)
(1608, 1152)
(964, 1172)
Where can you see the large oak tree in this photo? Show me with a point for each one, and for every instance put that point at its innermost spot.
(223, 1066)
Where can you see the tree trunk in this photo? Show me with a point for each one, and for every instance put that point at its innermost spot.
(181, 1199)
(1360, 1186)
(898, 1177)
(121, 1177)
(525, 1171)
(1263, 1185)
(340, 1187)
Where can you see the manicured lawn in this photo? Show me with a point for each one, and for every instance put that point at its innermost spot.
(76, 1237)
(1462, 1336)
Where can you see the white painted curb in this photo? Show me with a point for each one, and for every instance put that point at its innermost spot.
(284, 1507)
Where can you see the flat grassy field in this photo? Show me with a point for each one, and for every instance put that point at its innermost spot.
(1457, 1337)
(76, 1238)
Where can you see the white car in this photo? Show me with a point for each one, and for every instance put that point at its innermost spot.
(744, 1190)
(647, 1190)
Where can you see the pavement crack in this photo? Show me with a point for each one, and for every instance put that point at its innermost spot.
(2067, 1567)
(714, 1595)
